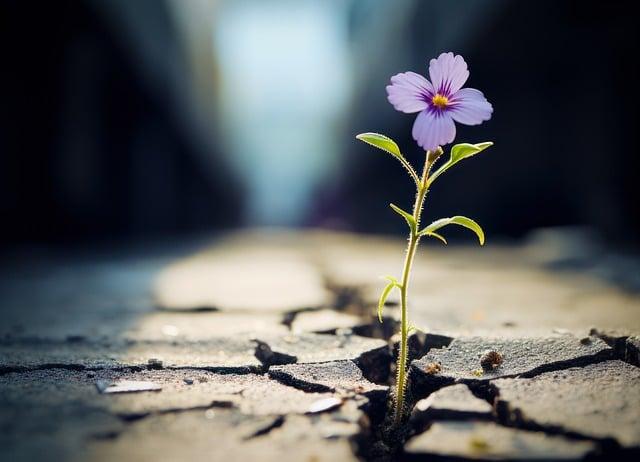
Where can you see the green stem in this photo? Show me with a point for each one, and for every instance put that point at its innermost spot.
(414, 239)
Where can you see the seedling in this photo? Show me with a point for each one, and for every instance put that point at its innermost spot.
(439, 102)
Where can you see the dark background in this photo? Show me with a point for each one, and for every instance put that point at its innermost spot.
(105, 133)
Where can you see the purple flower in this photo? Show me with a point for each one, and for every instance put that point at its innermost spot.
(440, 102)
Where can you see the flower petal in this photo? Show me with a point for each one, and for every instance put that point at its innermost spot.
(432, 129)
(409, 92)
(470, 107)
(448, 73)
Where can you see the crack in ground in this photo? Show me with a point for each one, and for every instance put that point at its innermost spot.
(508, 416)
(620, 344)
(131, 417)
(135, 416)
(374, 363)
(421, 390)
(608, 448)
(276, 423)
(374, 441)
(387, 444)
(290, 316)
(268, 357)
(222, 370)
(4, 370)
(299, 384)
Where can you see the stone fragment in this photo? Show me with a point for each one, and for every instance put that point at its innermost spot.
(455, 402)
(371, 355)
(597, 401)
(324, 404)
(521, 357)
(489, 441)
(126, 386)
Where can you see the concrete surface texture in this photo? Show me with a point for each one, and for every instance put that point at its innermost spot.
(264, 345)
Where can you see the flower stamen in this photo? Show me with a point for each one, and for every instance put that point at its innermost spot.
(440, 101)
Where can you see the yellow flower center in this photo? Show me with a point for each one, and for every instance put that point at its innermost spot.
(440, 101)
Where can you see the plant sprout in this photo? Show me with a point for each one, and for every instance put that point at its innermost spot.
(439, 103)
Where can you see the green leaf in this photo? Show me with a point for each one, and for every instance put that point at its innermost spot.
(437, 236)
(459, 152)
(407, 216)
(388, 145)
(381, 142)
(457, 220)
(464, 150)
(393, 282)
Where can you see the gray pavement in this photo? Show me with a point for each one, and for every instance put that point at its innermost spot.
(265, 345)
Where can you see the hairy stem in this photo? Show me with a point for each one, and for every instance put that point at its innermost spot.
(414, 239)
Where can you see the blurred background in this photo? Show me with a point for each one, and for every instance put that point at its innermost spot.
(130, 120)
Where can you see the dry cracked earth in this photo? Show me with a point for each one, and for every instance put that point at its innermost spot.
(264, 346)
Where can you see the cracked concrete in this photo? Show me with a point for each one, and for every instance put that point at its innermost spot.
(224, 435)
(371, 355)
(221, 354)
(489, 441)
(455, 402)
(342, 376)
(266, 347)
(597, 401)
(246, 392)
(460, 362)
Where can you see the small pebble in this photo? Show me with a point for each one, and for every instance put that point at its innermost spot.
(490, 360)
(188, 381)
(585, 340)
(433, 368)
(324, 404)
